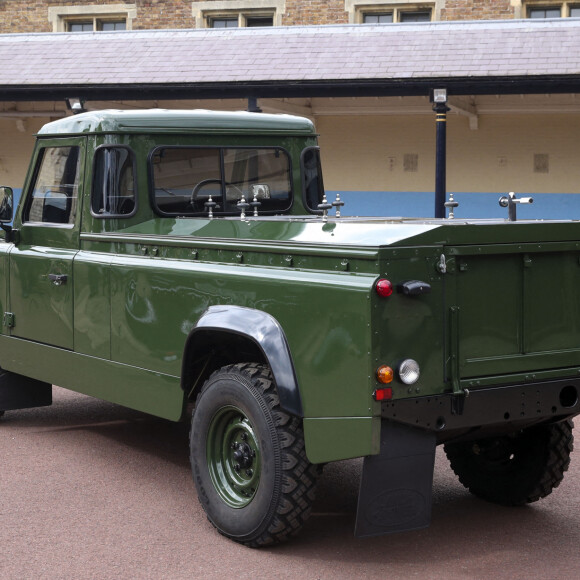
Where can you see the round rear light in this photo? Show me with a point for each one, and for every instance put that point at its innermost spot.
(409, 371)
(384, 288)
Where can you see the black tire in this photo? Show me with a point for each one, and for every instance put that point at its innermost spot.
(515, 469)
(262, 495)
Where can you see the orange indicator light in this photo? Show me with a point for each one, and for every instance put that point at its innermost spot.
(385, 374)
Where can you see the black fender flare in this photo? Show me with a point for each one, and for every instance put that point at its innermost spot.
(265, 332)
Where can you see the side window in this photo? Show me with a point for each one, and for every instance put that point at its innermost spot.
(184, 178)
(312, 186)
(114, 188)
(55, 189)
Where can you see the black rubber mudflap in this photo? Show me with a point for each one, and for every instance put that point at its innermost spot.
(19, 392)
(396, 486)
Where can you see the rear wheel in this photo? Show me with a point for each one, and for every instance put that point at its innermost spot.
(514, 469)
(248, 459)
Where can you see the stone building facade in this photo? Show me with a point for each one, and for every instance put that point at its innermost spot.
(32, 16)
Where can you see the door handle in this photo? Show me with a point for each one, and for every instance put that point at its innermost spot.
(58, 279)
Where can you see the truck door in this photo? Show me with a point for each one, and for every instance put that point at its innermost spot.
(513, 310)
(41, 263)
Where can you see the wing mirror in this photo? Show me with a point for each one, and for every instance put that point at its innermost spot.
(6, 211)
(6, 199)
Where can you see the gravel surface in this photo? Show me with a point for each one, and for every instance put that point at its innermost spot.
(91, 490)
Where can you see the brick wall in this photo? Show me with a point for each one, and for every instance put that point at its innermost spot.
(28, 16)
(306, 12)
(477, 10)
(163, 14)
(32, 15)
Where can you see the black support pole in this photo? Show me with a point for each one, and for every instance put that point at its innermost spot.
(253, 106)
(440, 158)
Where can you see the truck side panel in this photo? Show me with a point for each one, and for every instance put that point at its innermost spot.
(144, 390)
(157, 302)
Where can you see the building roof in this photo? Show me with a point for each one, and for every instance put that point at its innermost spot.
(175, 121)
(475, 57)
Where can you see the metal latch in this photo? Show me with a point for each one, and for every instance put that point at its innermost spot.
(442, 264)
(510, 201)
(58, 279)
(9, 319)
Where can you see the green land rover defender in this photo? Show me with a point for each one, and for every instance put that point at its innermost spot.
(188, 264)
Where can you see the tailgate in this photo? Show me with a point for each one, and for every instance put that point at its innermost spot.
(513, 308)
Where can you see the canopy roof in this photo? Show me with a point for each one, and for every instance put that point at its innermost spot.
(168, 121)
(476, 57)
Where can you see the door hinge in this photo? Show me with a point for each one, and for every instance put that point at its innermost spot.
(9, 319)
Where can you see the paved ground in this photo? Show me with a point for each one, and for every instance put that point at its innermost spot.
(91, 490)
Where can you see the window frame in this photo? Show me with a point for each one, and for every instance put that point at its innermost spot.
(95, 22)
(62, 16)
(220, 148)
(401, 15)
(536, 8)
(242, 18)
(211, 20)
(75, 199)
(303, 178)
(93, 183)
(565, 7)
(358, 9)
(378, 15)
(204, 12)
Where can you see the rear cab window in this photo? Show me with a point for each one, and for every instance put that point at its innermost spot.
(185, 179)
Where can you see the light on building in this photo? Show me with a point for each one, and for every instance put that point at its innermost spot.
(440, 96)
(76, 105)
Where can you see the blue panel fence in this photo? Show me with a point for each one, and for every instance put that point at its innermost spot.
(471, 205)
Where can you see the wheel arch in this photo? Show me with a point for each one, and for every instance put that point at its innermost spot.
(232, 334)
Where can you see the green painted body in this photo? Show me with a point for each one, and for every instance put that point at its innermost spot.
(505, 309)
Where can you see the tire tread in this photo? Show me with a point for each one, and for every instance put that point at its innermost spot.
(298, 478)
(545, 474)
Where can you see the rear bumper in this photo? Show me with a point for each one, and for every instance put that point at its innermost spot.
(490, 409)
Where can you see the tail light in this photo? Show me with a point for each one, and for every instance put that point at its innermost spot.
(384, 288)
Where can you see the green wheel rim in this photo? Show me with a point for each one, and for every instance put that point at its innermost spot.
(233, 457)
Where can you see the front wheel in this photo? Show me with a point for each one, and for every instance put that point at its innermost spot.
(248, 459)
(514, 469)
